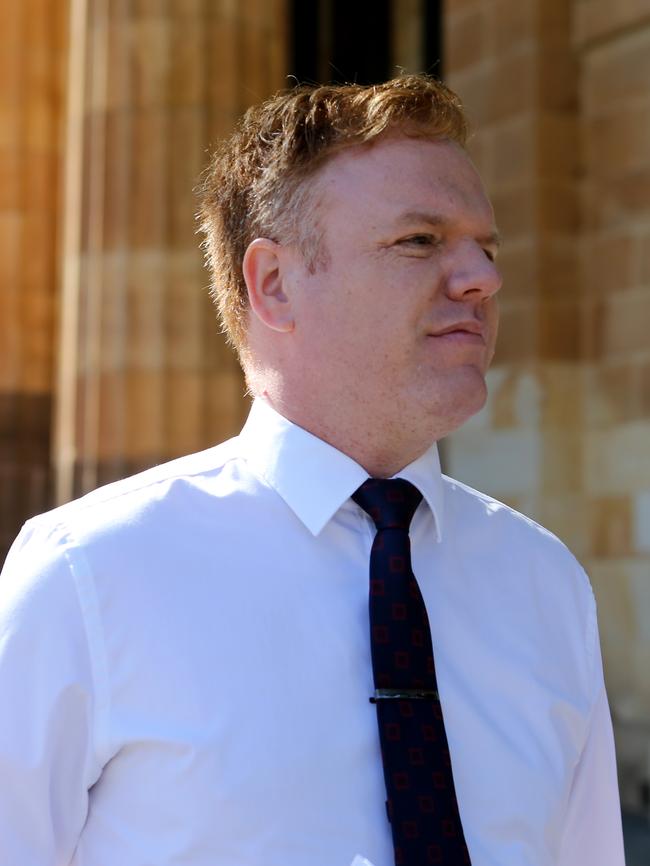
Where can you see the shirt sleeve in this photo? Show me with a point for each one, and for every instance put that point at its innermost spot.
(47, 701)
(593, 833)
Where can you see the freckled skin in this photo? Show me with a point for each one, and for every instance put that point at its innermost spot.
(361, 368)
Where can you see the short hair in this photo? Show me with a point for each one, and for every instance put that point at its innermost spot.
(255, 184)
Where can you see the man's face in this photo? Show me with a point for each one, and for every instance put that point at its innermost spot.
(409, 243)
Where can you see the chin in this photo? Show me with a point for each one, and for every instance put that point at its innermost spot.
(456, 403)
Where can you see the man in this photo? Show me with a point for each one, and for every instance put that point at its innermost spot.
(187, 667)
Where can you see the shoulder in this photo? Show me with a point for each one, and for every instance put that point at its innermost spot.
(144, 488)
(152, 498)
(485, 513)
(537, 584)
(501, 535)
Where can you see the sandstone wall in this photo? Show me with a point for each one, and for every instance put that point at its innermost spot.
(560, 94)
(32, 74)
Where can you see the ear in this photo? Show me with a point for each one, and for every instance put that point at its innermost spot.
(263, 273)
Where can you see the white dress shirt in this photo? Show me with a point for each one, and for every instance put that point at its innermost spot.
(185, 671)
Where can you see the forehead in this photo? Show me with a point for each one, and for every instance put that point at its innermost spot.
(398, 175)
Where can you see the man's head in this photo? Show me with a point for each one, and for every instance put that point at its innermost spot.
(259, 181)
(347, 229)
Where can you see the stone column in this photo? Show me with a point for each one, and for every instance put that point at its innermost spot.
(32, 54)
(613, 43)
(144, 374)
(560, 92)
(513, 64)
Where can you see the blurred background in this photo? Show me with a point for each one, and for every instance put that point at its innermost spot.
(111, 359)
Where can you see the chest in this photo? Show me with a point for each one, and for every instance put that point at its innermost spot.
(241, 730)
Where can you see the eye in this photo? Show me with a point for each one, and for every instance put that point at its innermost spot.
(491, 254)
(422, 240)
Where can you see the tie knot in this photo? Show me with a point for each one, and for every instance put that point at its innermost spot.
(390, 502)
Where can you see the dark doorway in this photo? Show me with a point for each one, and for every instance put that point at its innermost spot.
(337, 41)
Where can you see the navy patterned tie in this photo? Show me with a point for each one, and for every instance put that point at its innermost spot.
(422, 806)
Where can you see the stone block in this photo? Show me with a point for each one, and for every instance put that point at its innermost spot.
(145, 303)
(186, 157)
(610, 261)
(226, 405)
(218, 355)
(513, 151)
(193, 9)
(641, 522)
(150, 58)
(512, 83)
(554, 19)
(12, 40)
(514, 400)
(558, 268)
(186, 71)
(616, 72)
(617, 143)
(558, 206)
(12, 238)
(473, 86)
(627, 197)
(617, 393)
(185, 412)
(252, 65)
(41, 182)
(559, 330)
(558, 145)
(558, 76)
(518, 334)
(145, 416)
(561, 463)
(644, 257)
(466, 38)
(614, 204)
(627, 322)
(455, 7)
(519, 265)
(38, 272)
(616, 459)
(638, 571)
(148, 211)
(563, 514)
(561, 395)
(112, 313)
(118, 90)
(11, 170)
(277, 42)
(600, 19)
(513, 22)
(143, 8)
(501, 463)
(406, 37)
(643, 388)
(617, 623)
(184, 309)
(118, 169)
(515, 208)
(642, 651)
(610, 525)
(112, 444)
(222, 59)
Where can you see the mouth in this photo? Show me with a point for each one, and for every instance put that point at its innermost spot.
(461, 333)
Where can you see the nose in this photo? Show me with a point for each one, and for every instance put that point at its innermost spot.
(472, 274)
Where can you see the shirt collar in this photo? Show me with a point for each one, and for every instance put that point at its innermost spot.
(314, 478)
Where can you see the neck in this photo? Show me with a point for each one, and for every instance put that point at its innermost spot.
(381, 446)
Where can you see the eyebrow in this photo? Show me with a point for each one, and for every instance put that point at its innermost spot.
(440, 221)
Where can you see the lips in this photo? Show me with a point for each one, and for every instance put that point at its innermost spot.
(470, 332)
